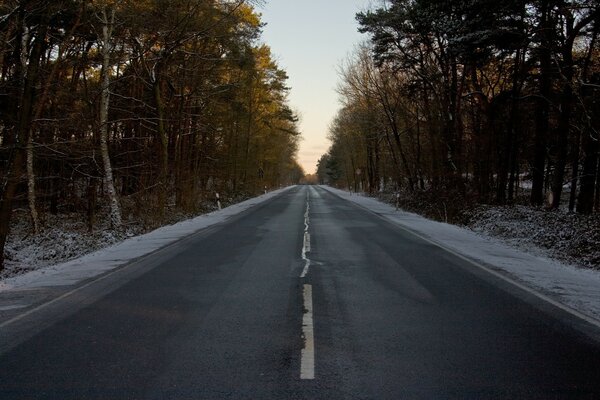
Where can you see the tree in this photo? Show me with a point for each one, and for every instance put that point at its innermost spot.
(18, 132)
(575, 18)
(469, 98)
(107, 20)
(163, 102)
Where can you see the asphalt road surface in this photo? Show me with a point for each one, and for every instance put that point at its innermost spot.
(303, 297)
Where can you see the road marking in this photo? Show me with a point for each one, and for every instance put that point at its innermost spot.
(307, 356)
(306, 242)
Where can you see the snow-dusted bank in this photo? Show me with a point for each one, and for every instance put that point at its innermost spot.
(101, 261)
(576, 288)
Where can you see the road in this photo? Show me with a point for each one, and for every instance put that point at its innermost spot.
(303, 297)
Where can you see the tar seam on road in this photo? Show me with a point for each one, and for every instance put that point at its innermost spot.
(306, 242)
(307, 356)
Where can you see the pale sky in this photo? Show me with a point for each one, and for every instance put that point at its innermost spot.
(309, 39)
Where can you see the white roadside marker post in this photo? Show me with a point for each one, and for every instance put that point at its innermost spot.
(218, 200)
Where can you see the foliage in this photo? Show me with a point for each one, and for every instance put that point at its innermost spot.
(465, 99)
(197, 105)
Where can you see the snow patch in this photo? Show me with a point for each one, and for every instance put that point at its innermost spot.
(566, 236)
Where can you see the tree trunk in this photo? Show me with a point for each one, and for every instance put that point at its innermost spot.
(397, 170)
(591, 136)
(503, 167)
(542, 112)
(115, 209)
(564, 120)
(450, 119)
(435, 153)
(35, 220)
(41, 103)
(403, 158)
(574, 170)
(15, 166)
(585, 201)
(591, 165)
(91, 204)
(163, 142)
(514, 128)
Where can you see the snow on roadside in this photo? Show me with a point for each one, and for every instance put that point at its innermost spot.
(578, 288)
(111, 257)
(559, 234)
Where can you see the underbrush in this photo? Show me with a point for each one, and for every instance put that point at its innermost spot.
(566, 236)
(67, 234)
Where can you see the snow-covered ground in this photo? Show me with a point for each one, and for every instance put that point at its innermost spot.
(111, 257)
(577, 288)
(569, 237)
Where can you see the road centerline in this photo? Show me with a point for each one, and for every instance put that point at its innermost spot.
(306, 241)
(307, 355)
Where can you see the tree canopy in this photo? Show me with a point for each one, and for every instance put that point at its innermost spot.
(466, 100)
(167, 102)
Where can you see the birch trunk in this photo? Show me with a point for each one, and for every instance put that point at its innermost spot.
(15, 165)
(35, 220)
(115, 209)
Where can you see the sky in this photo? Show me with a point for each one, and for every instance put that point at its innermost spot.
(309, 39)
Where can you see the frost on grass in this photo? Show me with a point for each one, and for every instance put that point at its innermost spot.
(558, 234)
(66, 237)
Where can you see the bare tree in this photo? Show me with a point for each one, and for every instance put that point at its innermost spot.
(107, 19)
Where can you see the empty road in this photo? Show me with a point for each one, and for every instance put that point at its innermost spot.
(303, 297)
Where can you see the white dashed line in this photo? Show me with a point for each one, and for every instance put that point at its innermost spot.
(307, 356)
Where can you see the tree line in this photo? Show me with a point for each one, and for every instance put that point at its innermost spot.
(467, 99)
(137, 107)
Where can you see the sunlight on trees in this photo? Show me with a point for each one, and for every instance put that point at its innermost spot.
(133, 108)
(458, 102)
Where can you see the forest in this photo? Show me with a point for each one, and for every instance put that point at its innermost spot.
(450, 103)
(131, 109)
